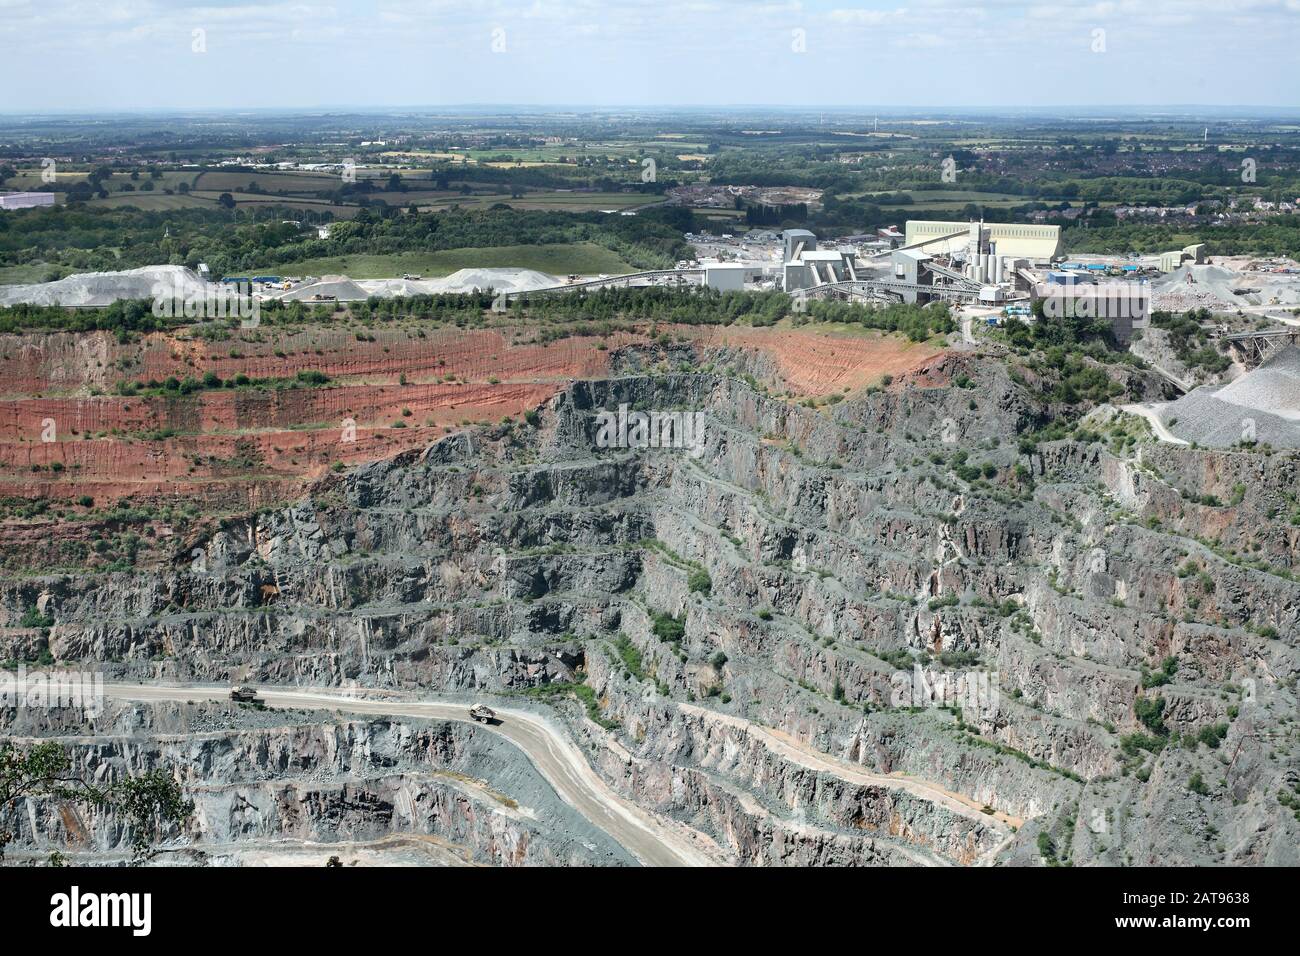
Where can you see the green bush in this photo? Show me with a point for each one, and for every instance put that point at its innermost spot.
(34, 618)
(1150, 711)
(1047, 847)
(1213, 735)
(699, 580)
(668, 628)
(1168, 667)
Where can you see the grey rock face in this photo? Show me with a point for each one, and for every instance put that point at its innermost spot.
(775, 634)
(260, 781)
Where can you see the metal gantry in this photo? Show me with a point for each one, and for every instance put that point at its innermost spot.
(1253, 348)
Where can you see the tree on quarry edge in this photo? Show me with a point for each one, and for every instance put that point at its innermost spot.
(150, 802)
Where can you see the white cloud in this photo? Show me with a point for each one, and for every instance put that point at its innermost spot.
(867, 17)
(68, 52)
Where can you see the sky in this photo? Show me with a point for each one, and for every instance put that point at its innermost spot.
(126, 55)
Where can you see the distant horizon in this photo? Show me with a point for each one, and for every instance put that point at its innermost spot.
(1059, 111)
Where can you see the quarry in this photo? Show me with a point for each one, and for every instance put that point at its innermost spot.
(467, 440)
(843, 618)
(712, 639)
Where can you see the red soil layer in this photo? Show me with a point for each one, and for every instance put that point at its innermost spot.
(816, 364)
(246, 447)
(243, 447)
(938, 371)
(77, 419)
(66, 362)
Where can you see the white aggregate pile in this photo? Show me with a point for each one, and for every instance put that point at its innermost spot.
(1273, 387)
(104, 288)
(389, 288)
(1264, 402)
(1215, 285)
(337, 287)
(465, 280)
(502, 280)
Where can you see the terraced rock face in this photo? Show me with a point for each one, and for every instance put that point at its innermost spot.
(275, 787)
(848, 635)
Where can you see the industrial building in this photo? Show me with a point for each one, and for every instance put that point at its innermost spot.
(806, 266)
(796, 241)
(727, 276)
(25, 200)
(1170, 261)
(1038, 244)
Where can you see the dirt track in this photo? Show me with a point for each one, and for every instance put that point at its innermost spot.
(653, 840)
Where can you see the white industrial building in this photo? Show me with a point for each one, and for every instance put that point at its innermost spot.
(25, 200)
(1038, 244)
(797, 241)
(726, 276)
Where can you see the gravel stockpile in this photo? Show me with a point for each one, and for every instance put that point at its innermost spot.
(393, 288)
(1268, 397)
(105, 288)
(340, 288)
(466, 280)
(1202, 418)
(1273, 387)
(502, 280)
(1215, 286)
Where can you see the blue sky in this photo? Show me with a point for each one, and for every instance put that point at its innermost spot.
(139, 54)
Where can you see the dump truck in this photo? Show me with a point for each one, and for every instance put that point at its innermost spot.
(484, 715)
(243, 694)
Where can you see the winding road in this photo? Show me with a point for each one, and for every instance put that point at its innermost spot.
(652, 840)
(797, 752)
(1150, 413)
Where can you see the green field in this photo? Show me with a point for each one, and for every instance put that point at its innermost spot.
(959, 203)
(29, 272)
(212, 196)
(584, 258)
(550, 154)
(170, 179)
(552, 200)
(232, 181)
(306, 187)
(28, 179)
(152, 201)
